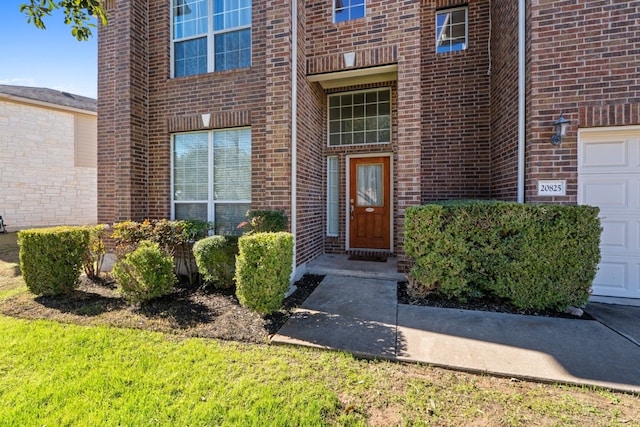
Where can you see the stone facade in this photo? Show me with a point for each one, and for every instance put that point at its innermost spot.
(454, 115)
(47, 179)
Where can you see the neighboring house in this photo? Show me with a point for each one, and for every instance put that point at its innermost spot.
(48, 159)
(344, 113)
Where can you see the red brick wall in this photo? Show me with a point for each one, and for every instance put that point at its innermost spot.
(584, 61)
(456, 158)
(122, 113)
(504, 99)
(311, 164)
(164, 105)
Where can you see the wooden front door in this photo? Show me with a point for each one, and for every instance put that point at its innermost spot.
(370, 203)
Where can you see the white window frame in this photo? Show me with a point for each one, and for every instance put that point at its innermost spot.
(364, 3)
(352, 144)
(211, 201)
(466, 28)
(210, 37)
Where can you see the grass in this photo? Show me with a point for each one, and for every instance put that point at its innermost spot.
(108, 376)
(59, 374)
(11, 282)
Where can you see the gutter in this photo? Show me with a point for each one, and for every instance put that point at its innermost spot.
(521, 97)
(294, 130)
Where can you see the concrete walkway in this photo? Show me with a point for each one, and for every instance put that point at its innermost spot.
(361, 315)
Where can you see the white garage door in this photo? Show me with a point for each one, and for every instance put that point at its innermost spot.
(609, 177)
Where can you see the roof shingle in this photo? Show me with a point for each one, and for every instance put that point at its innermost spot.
(50, 96)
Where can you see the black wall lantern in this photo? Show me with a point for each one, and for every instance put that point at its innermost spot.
(560, 130)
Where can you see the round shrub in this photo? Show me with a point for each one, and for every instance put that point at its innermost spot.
(145, 273)
(51, 259)
(263, 270)
(216, 257)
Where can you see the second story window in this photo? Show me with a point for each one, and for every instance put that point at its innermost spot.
(210, 35)
(451, 30)
(344, 10)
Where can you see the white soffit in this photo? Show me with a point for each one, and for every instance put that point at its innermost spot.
(358, 76)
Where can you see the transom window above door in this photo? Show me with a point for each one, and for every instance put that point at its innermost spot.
(210, 35)
(362, 117)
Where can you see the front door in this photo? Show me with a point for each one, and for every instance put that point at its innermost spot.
(370, 203)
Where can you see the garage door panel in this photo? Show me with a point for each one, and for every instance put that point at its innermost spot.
(609, 178)
(606, 194)
(617, 278)
(611, 275)
(604, 154)
(615, 234)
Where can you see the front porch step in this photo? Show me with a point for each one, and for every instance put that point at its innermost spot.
(340, 265)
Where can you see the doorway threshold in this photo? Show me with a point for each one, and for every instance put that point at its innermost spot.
(341, 265)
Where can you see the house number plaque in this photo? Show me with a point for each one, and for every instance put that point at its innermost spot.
(552, 188)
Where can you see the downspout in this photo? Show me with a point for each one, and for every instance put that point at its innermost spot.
(521, 98)
(294, 130)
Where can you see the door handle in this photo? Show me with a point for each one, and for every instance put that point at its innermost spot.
(351, 212)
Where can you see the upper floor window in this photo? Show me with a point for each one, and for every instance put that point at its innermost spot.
(451, 30)
(210, 35)
(344, 10)
(362, 117)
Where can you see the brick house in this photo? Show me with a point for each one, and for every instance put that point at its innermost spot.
(344, 113)
(48, 173)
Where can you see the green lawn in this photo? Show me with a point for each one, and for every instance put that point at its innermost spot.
(56, 374)
(68, 375)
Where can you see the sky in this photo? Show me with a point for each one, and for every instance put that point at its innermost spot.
(50, 58)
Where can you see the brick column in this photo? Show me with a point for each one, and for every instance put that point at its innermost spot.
(123, 112)
(277, 185)
(409, 133)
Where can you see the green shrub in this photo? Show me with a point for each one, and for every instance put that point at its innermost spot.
(264, 221)
(215, 257)
(93, 258)
(51, 259)
(535, 256)
(263, 270)
(145, 273)
(175, 238)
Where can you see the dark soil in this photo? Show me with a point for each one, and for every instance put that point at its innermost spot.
(188, 311)
(481, 304)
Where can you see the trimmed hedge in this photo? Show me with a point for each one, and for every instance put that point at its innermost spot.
(215, 257)
(51, 259)
(263, 270)
(175, 238)
(535, 256)
(145, 273)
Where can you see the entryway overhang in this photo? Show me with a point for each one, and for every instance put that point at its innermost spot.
(358, 76)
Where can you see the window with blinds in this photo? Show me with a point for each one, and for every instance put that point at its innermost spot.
(333, 193)
(212, 177)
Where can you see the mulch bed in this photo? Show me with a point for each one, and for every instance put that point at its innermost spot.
(196, 312)
(482, 304)
(187, 311)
